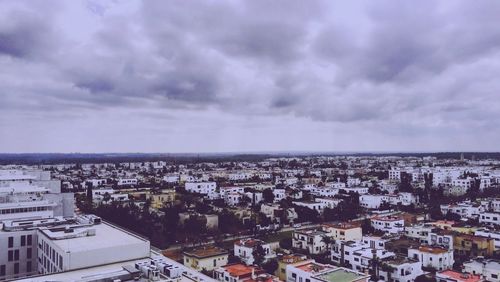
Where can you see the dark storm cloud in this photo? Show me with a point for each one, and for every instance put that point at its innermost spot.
(96, 85)
(389, 64)
(24, 35)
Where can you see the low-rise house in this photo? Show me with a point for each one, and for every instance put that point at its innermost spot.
(455, 276)
(495, 235)
(245, 248)
(171, 178)
(322, 191)
(200, 187)
(344, 231)
(212, 220)
(276, 213)
(419, 232)
(311, 271)
(309, 240)
(472, 246)
(255, 197)
(238, 272)
(489, 269)
(388, 224)
(205, 258)
(96, 182)
(441, 238)
(433, 257)
(358, 256)
(164, 197)
(491, 218)
(329, 202)
(317, 206)
(127, 181)
(359, 190)
(279, 194)
(286, 260)
(375, 241)
(399, 269)
(465, 209)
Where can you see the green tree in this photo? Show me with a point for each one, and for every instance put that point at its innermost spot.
(268, 195)
(271, 266)
(259, 254)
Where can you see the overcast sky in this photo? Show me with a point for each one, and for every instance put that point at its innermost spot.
(217, 76)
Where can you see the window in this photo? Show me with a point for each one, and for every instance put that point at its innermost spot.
(29, 253)
(16, 268)
(23, 240)
(16, 255)
(28, 266)
(11, 242)
(2, 270)
(11, 255)
(494, 276)
(30, 239)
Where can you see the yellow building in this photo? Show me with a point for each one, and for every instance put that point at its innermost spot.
(159, 200)
(471, 245)
(344, 231)
(453, 226)
(288, 260)
(205, 258)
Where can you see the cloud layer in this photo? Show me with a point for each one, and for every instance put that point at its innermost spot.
(174, 76)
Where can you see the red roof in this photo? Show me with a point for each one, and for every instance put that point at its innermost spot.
(460, 277)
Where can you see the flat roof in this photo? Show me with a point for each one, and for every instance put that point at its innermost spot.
(106, 235)
(459, 276)
(313, 267)
(433, 250)
(341, 275)
(239, 269)
(206, 252)
(81, 274)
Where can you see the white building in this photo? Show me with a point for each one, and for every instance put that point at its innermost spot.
(388, 224)
(244, 249)
(495, 205)
(311, 271)
(323, 191)
(329, 202)
(127, 181)
(279, 194)
(359, 190)
(490, 218)
(495, 235)
(435, 257)
(69, 248)
(310, 240)
(154, 268)
(465, 209)
(171, 178)
(201, 187)
(343, 231)
(96, 182)
(400, 268)
(464, 183)
(419, 232)
(441, 238)
(317, 206)
(357, 255)
(488, 269)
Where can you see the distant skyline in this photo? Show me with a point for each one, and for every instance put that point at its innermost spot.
(96, 76)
